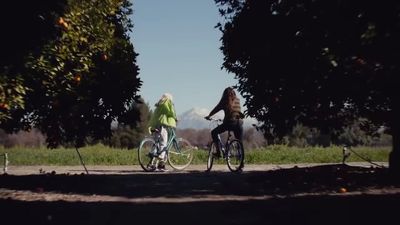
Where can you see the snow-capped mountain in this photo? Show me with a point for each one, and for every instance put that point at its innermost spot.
(194, 119)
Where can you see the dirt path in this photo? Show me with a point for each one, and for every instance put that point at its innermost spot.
(135, 169)
(266, 194)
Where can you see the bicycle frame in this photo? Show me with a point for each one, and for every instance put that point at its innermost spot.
(224, 145)
(178, 151)
(171, 140)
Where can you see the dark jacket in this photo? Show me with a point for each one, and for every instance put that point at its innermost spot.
(231, 109)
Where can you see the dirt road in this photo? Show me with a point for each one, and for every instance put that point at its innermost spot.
(136, 169)
(266, 194)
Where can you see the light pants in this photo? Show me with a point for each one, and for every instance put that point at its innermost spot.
(163, 142)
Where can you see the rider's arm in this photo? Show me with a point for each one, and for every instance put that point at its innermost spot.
(217, 108)
(171, 110)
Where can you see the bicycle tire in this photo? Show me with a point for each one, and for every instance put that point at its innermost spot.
(235, 155)
(210, 160)
(180, 155)
(146, 160)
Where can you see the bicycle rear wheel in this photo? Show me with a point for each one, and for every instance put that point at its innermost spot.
(211, 152)
(235, 156)
(146, 157)
(180, 155)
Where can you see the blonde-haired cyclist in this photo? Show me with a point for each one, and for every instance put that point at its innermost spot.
(163, 119)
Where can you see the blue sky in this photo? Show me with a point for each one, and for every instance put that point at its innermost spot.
(178, 49)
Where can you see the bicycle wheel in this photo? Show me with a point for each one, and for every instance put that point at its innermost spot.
(210, 161)
(180, 155)
(235, 156)
(145, 154)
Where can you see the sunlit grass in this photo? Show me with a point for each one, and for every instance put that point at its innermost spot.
(276, 154)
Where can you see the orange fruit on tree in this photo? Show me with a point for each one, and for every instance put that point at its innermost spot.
(77, 78)
(361, 61)
(61, 21)
(3, 106)
(65, 24)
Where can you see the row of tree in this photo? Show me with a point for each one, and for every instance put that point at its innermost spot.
(68, 67)
(129, 136)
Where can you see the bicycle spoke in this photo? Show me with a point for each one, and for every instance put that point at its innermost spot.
(235, 156)
(186, 154)
(146, 154)
(211, 156)
(180, 155)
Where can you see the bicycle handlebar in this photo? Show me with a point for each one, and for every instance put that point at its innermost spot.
(212, 119)
(154, 130)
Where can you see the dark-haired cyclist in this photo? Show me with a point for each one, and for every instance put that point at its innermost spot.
(233, 119)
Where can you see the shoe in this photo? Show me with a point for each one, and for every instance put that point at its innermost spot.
(151, 167)
(161, 167)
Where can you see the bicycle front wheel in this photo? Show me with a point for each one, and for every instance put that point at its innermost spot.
(235, 156)
(180, 155)
(146, 151)
(211, 152)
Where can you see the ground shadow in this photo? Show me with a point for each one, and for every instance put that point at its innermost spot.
(289, 196)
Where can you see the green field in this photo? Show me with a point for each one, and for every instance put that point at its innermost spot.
(277, 154)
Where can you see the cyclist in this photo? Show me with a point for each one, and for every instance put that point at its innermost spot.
(163, 119)
(233, 119)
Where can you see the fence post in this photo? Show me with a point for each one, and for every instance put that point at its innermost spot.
(5, 165)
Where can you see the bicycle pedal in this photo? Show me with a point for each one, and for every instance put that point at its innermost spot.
(216, 155)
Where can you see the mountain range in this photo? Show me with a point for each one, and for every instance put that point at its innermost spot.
(194, 119)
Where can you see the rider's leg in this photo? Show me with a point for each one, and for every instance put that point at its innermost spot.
(163, 145)
(238, 130)
(214, 134)
(163, 142)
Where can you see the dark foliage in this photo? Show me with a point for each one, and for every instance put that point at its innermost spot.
(319, 63)
(75, 66)
(130, 131)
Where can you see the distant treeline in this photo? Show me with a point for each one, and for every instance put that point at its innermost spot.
(126, 137)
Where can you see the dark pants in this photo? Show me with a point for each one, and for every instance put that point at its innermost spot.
(234, 125)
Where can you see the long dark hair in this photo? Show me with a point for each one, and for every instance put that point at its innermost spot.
(228, 95)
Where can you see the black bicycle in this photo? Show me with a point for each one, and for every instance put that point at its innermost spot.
(231, 151)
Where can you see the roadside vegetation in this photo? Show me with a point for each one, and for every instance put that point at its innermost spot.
(274, 154)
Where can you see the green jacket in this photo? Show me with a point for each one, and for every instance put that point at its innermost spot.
(164, 114)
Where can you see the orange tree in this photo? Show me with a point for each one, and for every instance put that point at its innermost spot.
(316, 62)
(25, 27)
(77, 70)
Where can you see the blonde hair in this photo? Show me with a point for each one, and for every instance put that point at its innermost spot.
(165, 97)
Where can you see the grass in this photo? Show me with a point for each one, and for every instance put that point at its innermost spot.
(102, 155)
